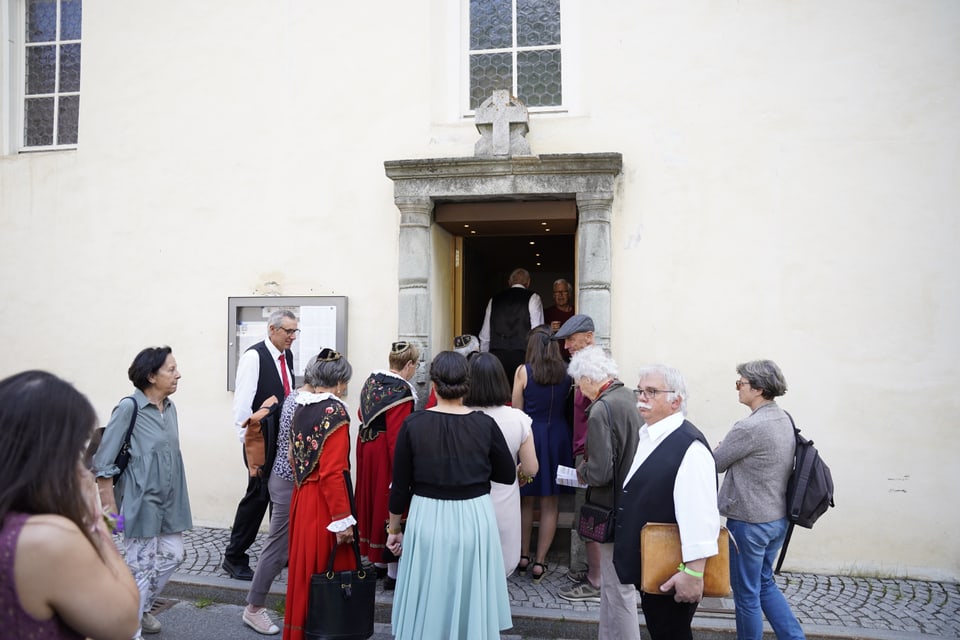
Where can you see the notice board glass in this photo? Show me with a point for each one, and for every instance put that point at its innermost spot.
(323, 323)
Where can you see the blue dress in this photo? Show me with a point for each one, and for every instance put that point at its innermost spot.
(546, 405)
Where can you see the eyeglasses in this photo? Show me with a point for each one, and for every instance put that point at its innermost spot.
(328, 355)
(289, 332)
(399, 347)
(740, 383)
(650, 392)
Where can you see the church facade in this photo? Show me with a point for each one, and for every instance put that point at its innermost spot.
(720, 182)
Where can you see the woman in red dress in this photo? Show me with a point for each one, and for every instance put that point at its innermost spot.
(320, 518)
(386, 399)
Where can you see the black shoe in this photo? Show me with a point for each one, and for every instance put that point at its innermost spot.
(389, 584)
(237, 571)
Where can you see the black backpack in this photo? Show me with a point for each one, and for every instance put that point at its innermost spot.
(809, 489)
(123, 457)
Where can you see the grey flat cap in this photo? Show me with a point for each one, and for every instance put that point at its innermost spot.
(576, 324)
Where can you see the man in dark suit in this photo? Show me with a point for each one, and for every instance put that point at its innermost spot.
(673, 479)
(509, 317)
(265, 370)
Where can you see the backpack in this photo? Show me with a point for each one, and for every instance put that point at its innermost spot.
(809, 489)
(123, 456)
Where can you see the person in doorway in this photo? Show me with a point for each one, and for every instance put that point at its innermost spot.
(757, 456)
(561, 311)
(386, 399)
(575, 334)
(671, 478)
(264, 370)
(614, 426)
(540, 389)
(508, 319)
(151, 493)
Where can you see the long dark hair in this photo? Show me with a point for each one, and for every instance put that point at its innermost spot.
(45, 424)
(543, 356)
(488, 382)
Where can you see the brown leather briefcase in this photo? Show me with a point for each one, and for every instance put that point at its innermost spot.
(660, 555)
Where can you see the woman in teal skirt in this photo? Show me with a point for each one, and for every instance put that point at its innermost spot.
(450, 583)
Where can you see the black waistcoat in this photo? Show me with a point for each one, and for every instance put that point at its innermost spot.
(510, 319)
(648, 497)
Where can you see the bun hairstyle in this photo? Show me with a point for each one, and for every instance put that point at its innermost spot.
(450, 375)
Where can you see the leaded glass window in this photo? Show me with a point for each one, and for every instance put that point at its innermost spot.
(515, 45)
(51, 108)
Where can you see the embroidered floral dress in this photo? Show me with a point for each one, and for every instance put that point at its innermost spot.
(320, 505)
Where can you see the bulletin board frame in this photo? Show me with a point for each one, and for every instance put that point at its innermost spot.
(322, 321)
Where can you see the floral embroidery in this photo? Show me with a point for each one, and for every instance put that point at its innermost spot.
(308, 440)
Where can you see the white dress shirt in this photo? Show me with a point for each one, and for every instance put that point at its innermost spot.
(694, 491)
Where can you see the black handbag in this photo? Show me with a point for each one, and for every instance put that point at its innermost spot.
(597, 522)
(341, 603)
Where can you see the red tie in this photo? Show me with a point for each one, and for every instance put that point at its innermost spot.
(283, 372)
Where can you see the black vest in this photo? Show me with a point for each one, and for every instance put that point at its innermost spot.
(648, 497)
(510, 319)
(269, 382)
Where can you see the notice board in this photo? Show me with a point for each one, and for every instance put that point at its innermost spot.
(323, 323)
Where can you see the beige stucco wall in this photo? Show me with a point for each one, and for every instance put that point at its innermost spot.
(789, 191)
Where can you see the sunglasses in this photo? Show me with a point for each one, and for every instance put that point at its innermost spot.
(328, 355)
(399, 347)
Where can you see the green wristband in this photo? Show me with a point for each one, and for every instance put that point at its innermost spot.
(687, 570)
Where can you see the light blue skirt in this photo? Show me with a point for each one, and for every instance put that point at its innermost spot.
(450, 583)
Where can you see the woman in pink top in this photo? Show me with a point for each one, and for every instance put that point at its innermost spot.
(60, 574)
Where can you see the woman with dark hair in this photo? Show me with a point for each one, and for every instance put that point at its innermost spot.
(757, 456)
(58, 563)
(451, 582)
(319, 452)
(540, 389)
(151, 493)
(490, 393)
(386, 399)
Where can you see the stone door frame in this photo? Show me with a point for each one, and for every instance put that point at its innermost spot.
(418, 184)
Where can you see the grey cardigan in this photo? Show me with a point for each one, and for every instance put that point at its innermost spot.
(757, 456)
(610, 447)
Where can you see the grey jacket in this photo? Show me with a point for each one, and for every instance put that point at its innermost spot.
(610, 448)
(757, 456)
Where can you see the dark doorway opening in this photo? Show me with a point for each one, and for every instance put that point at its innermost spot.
(488, 262)
(500, 236)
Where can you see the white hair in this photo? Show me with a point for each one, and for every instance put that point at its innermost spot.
(592, 363)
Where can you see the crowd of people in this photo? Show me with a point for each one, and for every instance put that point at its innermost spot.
(446, 495)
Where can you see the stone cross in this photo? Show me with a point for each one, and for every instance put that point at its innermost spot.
(502, 123)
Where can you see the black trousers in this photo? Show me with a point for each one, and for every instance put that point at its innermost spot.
(246, 523)
(667, 619)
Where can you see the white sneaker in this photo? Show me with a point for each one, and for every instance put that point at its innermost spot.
(149, 624)
(260, 621)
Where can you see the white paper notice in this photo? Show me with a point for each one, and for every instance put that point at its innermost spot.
(567, 476)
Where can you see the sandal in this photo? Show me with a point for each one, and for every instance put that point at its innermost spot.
(523, 564)
(537, 577)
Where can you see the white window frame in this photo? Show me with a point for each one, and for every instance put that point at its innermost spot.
(13, 82)
(570, 56)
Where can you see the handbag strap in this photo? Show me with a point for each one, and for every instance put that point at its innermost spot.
(613, 457)
(356, 542)
(133, 421)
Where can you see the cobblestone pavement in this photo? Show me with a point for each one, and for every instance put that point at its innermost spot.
(837, 606)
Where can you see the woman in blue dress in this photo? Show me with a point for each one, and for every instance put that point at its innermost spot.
(540, 389)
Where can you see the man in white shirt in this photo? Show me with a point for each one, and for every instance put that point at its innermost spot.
(265, 370)
(672, 479)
